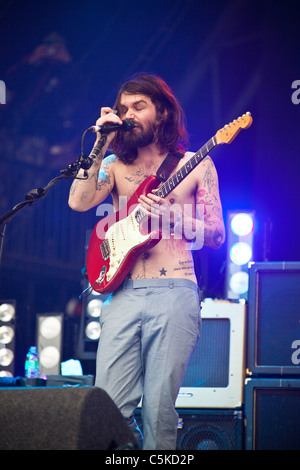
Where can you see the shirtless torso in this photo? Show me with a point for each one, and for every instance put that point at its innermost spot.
(172, 256)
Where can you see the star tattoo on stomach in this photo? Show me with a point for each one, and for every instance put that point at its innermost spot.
(163, 272)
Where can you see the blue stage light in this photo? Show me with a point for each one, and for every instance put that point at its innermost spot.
(242, 224)
(239, 282)
(241, 253)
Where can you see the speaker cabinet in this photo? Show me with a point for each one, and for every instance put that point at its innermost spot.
(207, 429)
(214, 377)
(210, 430)
(273, 319)
(64, 418)
(272, 412)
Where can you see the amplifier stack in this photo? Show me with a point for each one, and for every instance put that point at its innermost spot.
(272, 389)
(242, 385)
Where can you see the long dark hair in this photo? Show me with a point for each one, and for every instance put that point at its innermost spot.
(169, 127)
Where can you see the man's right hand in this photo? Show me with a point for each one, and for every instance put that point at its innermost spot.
(107, 115)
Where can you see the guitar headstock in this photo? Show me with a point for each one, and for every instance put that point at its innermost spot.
(229, 132)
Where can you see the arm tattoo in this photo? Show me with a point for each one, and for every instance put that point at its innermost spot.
(97, 151)
(104, 179)
(218, 212)
(217, 237)
(209, 198)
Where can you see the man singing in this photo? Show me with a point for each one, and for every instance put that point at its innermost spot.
(151, 323)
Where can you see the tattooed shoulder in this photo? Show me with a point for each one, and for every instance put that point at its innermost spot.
(107, 161)
(104, 175)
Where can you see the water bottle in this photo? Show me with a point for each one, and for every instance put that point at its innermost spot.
(32, 364)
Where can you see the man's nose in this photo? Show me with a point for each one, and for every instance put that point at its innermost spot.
(129, 114)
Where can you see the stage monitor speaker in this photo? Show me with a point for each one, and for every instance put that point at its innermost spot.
(273, 319)
(272, 412)
(214, 377)
(64, 418)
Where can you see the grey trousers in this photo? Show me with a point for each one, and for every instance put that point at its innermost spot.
(149, 328)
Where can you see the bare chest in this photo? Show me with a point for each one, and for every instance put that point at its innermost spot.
(128, 180)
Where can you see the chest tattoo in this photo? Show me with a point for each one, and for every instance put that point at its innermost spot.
(137, 177)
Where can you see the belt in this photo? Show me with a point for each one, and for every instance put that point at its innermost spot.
(169, 282)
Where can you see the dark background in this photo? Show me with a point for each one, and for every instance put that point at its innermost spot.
(62, 61)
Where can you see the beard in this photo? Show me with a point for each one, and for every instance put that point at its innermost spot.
(137, 138)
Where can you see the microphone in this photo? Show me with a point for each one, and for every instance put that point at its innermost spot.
(111, 127)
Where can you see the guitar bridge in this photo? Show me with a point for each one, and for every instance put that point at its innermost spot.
(105, 249)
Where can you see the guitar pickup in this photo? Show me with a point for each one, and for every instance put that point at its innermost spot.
(105, 249)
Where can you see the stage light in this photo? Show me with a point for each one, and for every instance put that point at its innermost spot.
(93, 330)
(50, 327)
(4, 373)
(240, 253)
(49, 359)
(94, 308)
(6, 334)
(240, 246)
(90, 330)
(6, 357)
(7, 312)
(7, 337)
(90, 323)
(239, 282)
(49, 342)
(242, 224)
(92, 302)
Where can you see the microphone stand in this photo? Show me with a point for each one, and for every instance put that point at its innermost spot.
(70, 172)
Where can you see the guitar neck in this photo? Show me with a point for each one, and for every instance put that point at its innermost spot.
(180, 174)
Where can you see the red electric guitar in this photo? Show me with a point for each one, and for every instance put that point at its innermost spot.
(118, 239)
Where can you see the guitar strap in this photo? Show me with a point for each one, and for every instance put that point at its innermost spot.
(168, 165)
